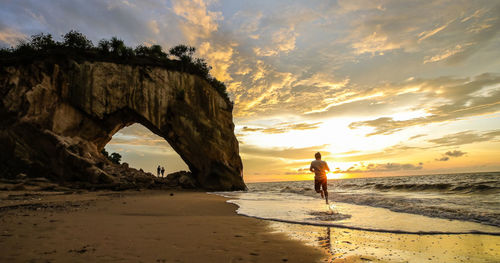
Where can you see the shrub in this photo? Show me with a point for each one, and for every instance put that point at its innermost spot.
(104, 46)
(42, 41)
(117, 46)
(76, 40)
(115, 158)
(182, 52)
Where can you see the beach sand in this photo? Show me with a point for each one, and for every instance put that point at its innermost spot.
(153, 226)
(150, 226)
(348, 245)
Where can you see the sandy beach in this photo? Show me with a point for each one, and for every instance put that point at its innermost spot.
(179, 226)
(149, 226)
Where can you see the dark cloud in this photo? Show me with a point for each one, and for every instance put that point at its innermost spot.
(455, 153)
(447, 155)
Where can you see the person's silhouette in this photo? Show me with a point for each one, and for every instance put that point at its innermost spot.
(319, 168)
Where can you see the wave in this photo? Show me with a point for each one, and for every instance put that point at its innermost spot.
(437, 207)
(426, 207)
(485, 183)
(473, 197)
(350, 217)
(478, 188)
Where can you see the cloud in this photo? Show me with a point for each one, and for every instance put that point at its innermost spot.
(283, 40)
(443, 159)
(446, 156)
(417, 136)
(375, 167)
(138, 135)
(476, 14)
(96, 19)
(374, 43)
(282, 153)
(447, 32)
(246, 21)
(447, 53)
(358, 5)
(457, 99)
(220, 57)
(466, 137)
(153, 25)
(198, 21)
(426, 34)
(10, 37)
(283, 127)
(455, 153)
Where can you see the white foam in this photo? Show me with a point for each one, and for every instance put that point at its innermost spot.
(300, 209)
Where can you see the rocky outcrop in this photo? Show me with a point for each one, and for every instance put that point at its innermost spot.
(56, 117)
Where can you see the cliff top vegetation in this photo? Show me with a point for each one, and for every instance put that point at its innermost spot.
(77, 46)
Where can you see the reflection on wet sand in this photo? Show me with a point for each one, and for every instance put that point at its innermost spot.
(347, 245)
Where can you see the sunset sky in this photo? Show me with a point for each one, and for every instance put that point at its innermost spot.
(381, 88)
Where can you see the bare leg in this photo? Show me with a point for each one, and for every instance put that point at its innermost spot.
(325, 190)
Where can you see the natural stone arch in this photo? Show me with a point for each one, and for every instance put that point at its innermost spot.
(79, 106)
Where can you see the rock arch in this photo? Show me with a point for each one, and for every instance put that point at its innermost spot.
(57, 117)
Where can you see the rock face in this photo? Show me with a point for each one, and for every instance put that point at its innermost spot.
(56, 117)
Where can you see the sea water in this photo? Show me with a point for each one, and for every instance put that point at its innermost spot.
(430, 204)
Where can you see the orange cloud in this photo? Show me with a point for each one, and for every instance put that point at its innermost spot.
(11, 37)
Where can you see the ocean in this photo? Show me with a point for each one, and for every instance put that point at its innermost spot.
(429, 204)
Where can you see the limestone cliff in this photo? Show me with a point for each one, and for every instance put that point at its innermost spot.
(56, 117)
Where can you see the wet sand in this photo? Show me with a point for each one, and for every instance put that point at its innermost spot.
(138, 227)
(348, 245)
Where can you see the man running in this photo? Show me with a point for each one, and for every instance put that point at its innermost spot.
(320, 182)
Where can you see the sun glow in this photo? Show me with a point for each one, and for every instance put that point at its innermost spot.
(331, 175)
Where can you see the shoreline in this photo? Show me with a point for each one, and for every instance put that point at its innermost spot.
(155, 226)
(132, 226)
(353, 244)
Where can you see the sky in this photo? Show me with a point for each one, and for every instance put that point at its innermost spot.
(379, 87)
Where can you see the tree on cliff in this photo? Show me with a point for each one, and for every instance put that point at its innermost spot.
(42, 41)
(182, 52)
(154, 51)
(76, 40)
(114, 50)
